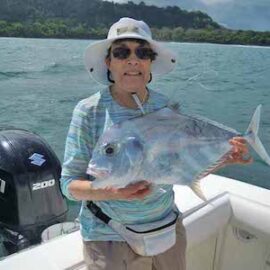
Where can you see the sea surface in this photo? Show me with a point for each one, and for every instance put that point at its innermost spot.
(41, 80)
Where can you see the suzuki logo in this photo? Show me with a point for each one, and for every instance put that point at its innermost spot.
(37, 159)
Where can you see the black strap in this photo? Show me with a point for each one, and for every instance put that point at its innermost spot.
(106, 219)
(98, 212)
(158, 228)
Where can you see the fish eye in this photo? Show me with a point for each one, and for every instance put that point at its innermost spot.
(110, 149)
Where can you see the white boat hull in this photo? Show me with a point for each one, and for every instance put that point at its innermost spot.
(231, 232)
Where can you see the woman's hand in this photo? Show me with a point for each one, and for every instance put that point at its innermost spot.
(81, 189)
(239, 153)
(138, 190)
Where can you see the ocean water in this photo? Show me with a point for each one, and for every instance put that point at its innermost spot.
(41, 80)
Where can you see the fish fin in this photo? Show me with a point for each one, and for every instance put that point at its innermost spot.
(196, 188)
(108, 121)
(251, 136)
(212, 168)
(211, 122)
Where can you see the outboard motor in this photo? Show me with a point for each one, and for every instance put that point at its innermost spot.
(30, 196)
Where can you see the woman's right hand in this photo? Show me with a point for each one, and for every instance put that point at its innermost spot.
(81, 189)
(134, 191)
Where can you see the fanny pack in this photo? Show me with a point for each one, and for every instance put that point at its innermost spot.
(147, 239)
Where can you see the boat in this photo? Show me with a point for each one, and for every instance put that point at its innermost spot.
(231, 230)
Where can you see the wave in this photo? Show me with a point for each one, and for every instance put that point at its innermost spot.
(11, 74)
(250, 46)
(53, 68)
(73, 99)
(62, 68)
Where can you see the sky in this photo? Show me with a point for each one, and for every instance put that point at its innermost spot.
(234, 14)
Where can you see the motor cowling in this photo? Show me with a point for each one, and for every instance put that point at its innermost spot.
(30, 195)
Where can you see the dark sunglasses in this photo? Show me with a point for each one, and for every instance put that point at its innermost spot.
(142, 53)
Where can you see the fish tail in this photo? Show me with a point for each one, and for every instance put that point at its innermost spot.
(251, 136)
(196, 188)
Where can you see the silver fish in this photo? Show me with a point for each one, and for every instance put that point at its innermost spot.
(166, 147)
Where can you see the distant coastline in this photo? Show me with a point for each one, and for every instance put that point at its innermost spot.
(64, 30)
(82, 19)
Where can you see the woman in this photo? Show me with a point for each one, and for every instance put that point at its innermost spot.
(126, 61)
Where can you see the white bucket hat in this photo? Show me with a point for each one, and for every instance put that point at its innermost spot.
(126, 28)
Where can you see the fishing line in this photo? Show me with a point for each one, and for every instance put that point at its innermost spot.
(138, 102)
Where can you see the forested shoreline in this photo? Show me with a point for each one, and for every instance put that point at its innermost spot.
(90, 19)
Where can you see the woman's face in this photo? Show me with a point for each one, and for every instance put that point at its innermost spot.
(131, 73)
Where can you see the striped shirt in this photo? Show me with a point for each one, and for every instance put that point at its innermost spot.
(88, 122)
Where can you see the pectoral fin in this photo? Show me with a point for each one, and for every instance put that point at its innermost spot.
(196, 188)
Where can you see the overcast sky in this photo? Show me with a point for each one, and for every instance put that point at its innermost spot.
(234, 14)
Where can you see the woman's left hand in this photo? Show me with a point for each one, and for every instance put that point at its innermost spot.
(239, 153)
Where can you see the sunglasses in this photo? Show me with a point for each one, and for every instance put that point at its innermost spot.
(142, 53)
